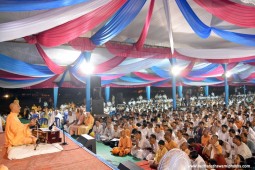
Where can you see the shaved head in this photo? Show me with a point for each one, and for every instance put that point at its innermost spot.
(15, 108)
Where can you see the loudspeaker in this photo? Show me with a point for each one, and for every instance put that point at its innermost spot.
(128, 165)
(95, 81)
(88, 142)
(98, 107)
(119, 98)
(96, 93)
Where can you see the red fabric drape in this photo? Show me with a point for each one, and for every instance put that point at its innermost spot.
(128, 51)
(82, 44)
(230, 11)
(73, 29)
(46, 84)
(13, 76)
(188, 69)
(51, 65)
(108, 65)
(112, 77)
(149, 77)
(141, 40)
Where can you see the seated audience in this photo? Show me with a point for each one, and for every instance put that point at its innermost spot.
(73, 129)
(87, 125)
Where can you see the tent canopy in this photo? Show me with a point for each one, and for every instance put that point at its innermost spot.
(43, 45)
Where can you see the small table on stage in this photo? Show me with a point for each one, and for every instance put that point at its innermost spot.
(47, 136)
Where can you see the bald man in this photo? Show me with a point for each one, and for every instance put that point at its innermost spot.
(17, 133)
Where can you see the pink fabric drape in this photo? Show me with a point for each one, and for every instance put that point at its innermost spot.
(82, 44)
(12, 76)
(230, 11)
(195, 78)
(188, 69)
(128, 51)
(73, 29)
(46, 84)
(112, 77)
(139, 44)
(148, 76)
(51, 65)
(108, 65)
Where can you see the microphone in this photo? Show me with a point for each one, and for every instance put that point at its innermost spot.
(37, 123)
(50, 127)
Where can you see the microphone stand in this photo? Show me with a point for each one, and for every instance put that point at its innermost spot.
(64, 136)
(37, 135)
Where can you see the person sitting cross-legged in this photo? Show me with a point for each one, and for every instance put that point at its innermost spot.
(141, 143)
(159, 154)
(17, 133)
(124, 146)
(107, 134)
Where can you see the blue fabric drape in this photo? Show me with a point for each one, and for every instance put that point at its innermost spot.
(62, 78)
(118, 22)
(204, 31)
(204, 70)
(206, 80)
(55, 96)
(74, 70)
(106, 82)
(19, 67)
(31, 5)
(160, 72)
(158, 84)
(133, 79)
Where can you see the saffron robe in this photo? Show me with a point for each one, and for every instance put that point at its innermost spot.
(17, 133)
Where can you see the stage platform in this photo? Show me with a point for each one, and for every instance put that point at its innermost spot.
(73, 157)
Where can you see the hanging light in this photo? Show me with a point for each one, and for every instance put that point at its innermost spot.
(228, 74)
(6, 96)
(86, 67)
(176, 70)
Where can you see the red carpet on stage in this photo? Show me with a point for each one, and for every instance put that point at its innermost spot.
(73, 157)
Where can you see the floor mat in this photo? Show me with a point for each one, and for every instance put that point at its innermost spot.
(25, 151)
(104, 152)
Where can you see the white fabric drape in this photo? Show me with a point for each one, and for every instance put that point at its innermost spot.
(169, 24)
(7, 84)
(217, 53)
(247, 73)
(44, 21)
(202, 83)
(144, 64)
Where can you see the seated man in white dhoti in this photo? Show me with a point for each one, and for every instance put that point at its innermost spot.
(153, 148)
(141, 143)
(108, 133)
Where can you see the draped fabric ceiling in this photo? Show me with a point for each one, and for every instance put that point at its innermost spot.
(43, 44)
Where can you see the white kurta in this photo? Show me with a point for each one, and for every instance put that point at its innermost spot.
(140, 152)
